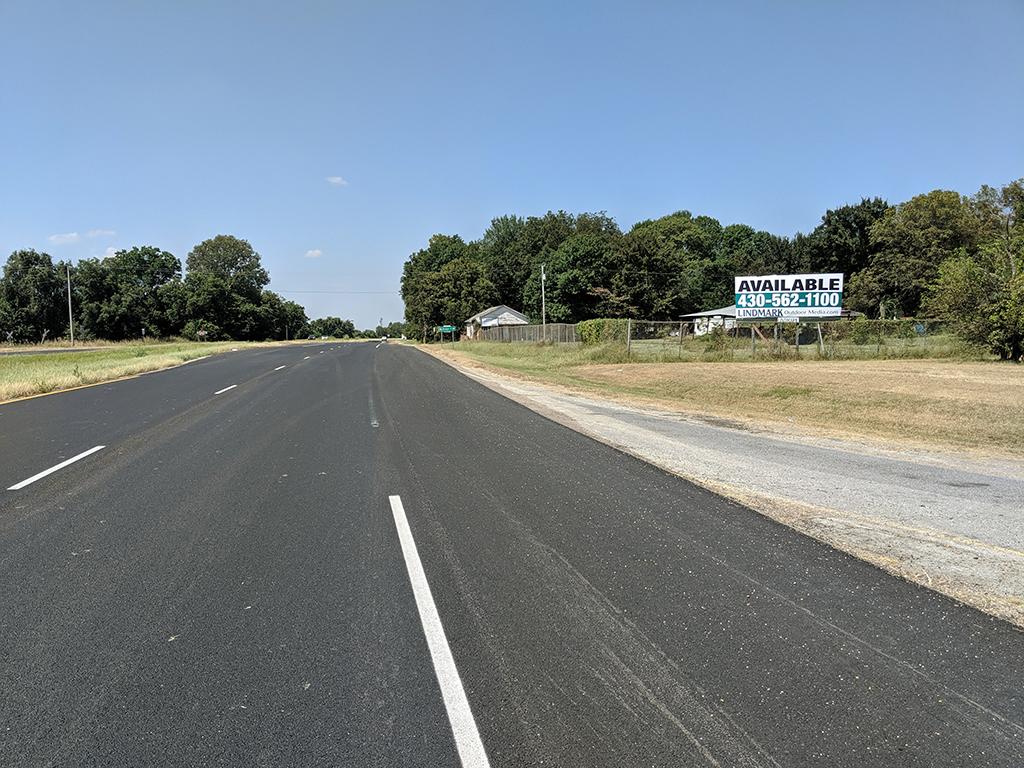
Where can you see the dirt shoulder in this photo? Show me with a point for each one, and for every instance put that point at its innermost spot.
(940, 518)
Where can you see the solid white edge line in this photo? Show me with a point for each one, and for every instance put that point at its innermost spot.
(280, 367)
(54, 468)
(467, 737)
(222, 391)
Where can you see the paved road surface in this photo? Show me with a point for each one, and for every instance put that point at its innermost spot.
(225, 583)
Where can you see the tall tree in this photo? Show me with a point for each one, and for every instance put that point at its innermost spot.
(1000, 214)
(513, 248)
(334, 327)
(981, 295)
(580, 269)
(421, 283)
(505, 253)
(449, 296)
(224, 283)
(32, 301)
(911, 240)
(232, 260)
(842, 241)
(123, 294)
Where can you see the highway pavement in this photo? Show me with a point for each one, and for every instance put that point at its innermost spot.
(351, 555)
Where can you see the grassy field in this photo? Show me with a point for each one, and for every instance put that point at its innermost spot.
(936, 403)
(27, 374)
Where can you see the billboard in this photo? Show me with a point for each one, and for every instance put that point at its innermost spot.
(789, 296)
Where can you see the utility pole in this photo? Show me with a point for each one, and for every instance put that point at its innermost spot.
(71, 319)
(543, 305)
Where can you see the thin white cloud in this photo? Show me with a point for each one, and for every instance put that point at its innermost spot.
(314, 253)
(336, 181)
(67, 237)
(100, 233)
(111, 251)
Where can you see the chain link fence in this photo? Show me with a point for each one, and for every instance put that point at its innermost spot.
(557, 333)
(725, 339)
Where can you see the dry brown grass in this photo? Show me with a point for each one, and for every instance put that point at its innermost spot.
(28, 374)
(932, 403)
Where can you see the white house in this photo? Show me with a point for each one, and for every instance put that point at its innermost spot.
(494, 316)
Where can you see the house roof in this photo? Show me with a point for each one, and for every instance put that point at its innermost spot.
(729, 311)
(494, 311)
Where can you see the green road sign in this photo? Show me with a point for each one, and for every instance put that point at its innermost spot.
(448, 329)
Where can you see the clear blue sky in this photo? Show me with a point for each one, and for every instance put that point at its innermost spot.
(166, 123)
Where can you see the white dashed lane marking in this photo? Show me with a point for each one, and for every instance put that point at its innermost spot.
(54, 468)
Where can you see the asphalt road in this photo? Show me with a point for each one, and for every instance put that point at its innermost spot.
(228, 582)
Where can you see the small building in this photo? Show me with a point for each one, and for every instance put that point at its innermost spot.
(492, 317)
(705, 322)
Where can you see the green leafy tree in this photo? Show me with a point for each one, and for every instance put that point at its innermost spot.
(32, 300)
(232, 260)
(419, 278)
(1000, 214)
(123, 295)
(210, 306)
(293, 319)
(1006, 337)
(172, 297)
(966, 295)
(507, 258)
(580, 271)
(675, 264)
(842, 242)
(277, 318)
(513, 248)
(981, 295)
(224, 286)
(983, 303)
(333, 327)
(450, 295)
(391, 330)
(911, 240)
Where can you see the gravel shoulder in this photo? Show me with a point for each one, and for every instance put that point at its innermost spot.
(950, 522)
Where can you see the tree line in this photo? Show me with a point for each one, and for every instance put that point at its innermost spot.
(141, 292)
(939, 254)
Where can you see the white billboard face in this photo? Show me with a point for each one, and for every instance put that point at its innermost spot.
(789, 296)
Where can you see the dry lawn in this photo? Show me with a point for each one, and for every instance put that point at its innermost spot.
(931, 403)
(23, 375)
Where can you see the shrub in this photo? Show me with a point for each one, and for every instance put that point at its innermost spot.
(862, 331)
(717, 342)
(601, 330)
